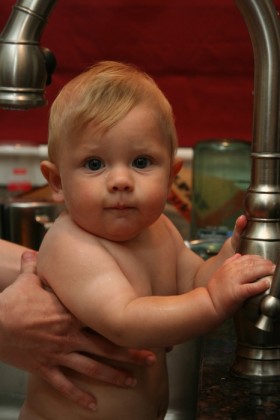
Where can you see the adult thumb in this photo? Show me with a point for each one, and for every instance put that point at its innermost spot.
(28, 262)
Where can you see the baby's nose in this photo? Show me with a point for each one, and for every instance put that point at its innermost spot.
(120, 180)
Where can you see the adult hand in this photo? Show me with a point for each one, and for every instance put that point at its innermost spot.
(39, 335)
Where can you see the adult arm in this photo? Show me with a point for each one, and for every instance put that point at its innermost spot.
(39, 335)
(10, 257)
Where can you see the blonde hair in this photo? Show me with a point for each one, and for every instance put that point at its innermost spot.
(104, 94)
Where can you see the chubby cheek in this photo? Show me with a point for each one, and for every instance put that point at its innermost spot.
(83, 213)
(156, 200)
(77, 200)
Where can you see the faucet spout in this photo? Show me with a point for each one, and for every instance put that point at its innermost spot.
(270, 304)
(257, 328)
(25, 67)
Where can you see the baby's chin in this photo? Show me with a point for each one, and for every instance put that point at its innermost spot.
(116, 235)
(120, 236)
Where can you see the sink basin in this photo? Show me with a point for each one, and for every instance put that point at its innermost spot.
(183, 367)
(12, 389)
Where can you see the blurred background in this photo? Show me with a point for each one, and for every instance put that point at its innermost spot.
(199, 52)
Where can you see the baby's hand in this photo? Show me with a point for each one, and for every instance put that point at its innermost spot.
(239, 227)
(235, 281)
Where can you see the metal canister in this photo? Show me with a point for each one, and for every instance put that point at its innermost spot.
(26, 223)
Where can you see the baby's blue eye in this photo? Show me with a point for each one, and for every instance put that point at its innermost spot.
(94, 164)
(142, 162)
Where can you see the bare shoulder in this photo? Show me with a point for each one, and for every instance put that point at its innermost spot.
(64, 233)
(66, 246)
(172, 232)
(61, 235)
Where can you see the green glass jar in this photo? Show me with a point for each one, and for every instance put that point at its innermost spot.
(221, 176)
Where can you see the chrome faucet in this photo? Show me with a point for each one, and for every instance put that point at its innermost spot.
(25, 67)
(24, 74)
(270, 304)
(257, 327)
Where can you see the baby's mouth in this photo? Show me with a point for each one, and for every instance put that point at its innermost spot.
(120, 206)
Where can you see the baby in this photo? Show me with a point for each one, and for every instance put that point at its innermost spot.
(113, 258)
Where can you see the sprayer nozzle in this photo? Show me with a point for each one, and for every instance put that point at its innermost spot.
(25, 67)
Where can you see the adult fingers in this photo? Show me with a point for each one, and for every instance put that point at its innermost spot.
(98, 370)
(59, 381)
(98, 345)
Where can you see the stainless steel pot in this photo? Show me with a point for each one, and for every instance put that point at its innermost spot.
(26, 223)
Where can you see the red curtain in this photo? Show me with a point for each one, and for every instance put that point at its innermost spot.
(199, 52)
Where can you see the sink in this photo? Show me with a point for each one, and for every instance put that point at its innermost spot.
(12, 390)
(183, 367)
(183, 364)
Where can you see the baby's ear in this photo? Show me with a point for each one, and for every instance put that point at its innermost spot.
(51, 174)
(176, 167)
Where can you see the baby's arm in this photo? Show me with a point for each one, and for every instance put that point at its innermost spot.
(228, 250)
(170, 320)
(100, 295)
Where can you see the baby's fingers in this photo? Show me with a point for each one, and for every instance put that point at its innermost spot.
(254, 267)
(230, 259)
(255, 288)
(249, 266)
(239, 227)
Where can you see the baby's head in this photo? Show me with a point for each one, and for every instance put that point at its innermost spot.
(104, 94)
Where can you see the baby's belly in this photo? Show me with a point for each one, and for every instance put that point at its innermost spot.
(145, 401)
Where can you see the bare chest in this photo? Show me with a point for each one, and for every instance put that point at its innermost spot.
(151, 269)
